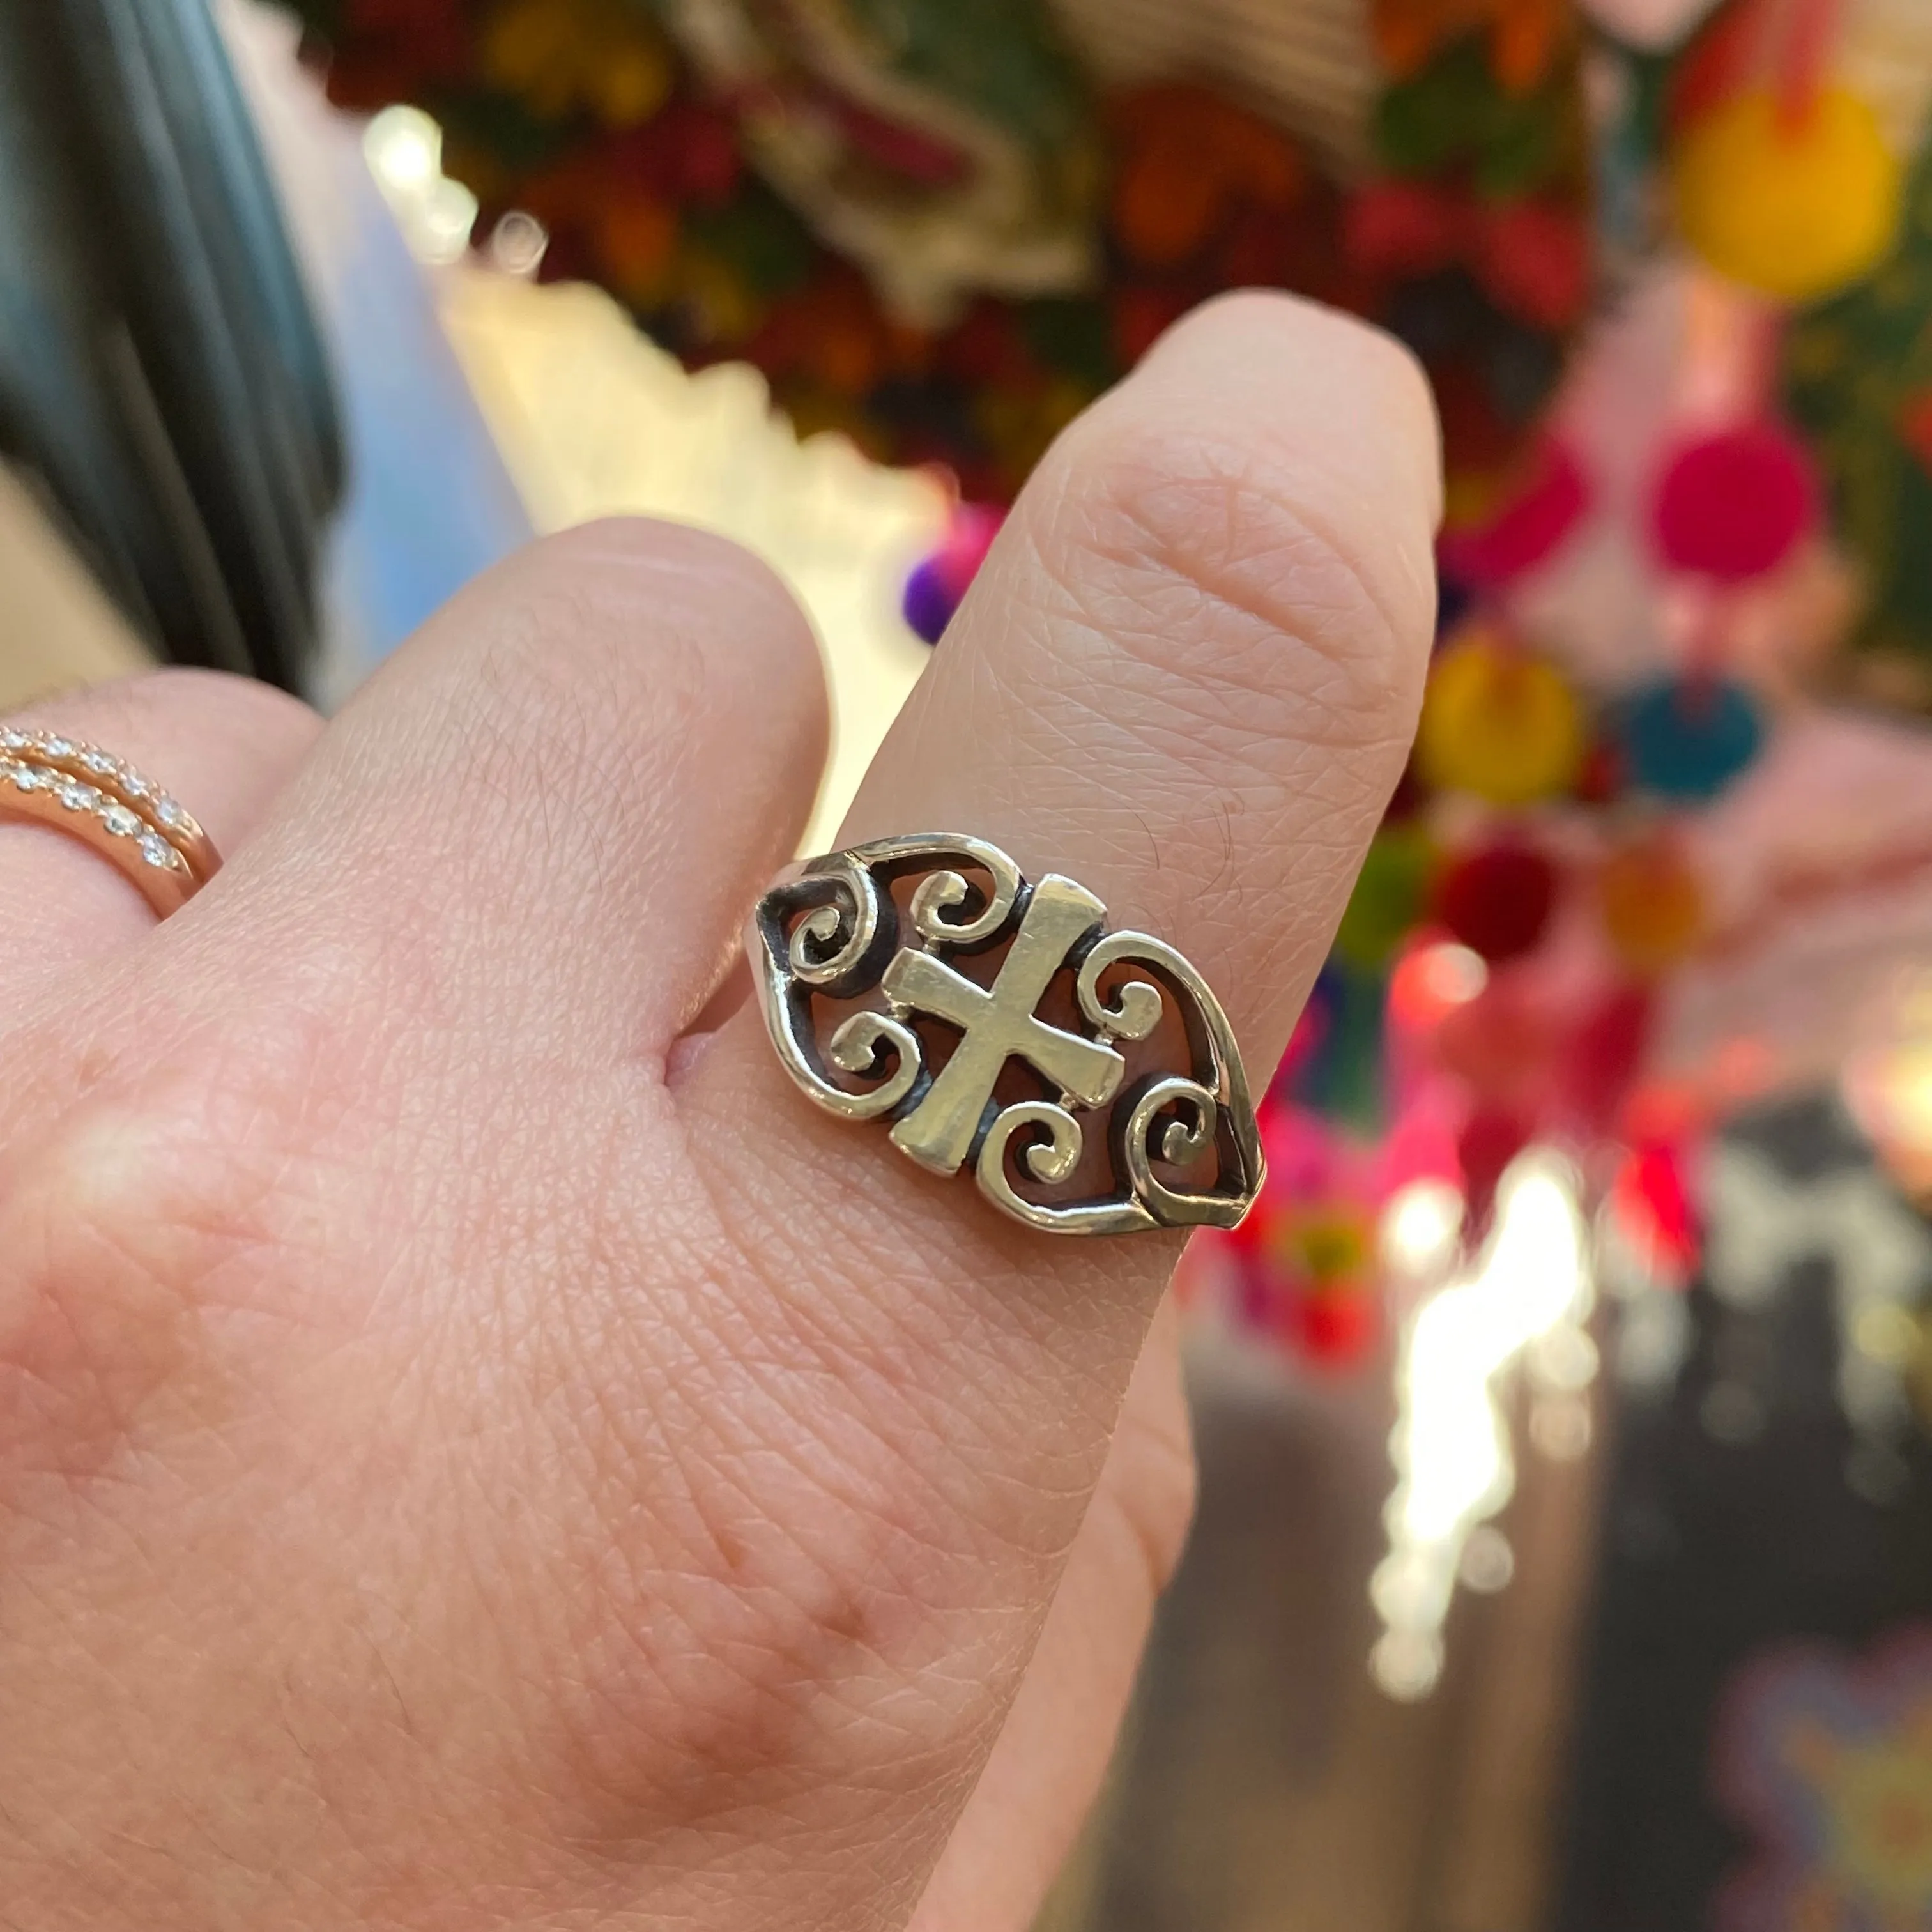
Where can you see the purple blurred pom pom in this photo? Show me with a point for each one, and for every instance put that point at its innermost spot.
(929, 602)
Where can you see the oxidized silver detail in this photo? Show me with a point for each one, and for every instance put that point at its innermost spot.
(830, 930)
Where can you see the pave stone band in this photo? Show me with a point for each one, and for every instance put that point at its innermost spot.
(1065, 1026)
(103, 802)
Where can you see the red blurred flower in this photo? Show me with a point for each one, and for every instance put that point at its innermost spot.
(431, 39)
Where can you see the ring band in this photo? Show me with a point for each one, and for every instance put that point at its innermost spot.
(1063, 1024)
(103, 802)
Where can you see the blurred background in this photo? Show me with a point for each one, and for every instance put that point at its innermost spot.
(1565, 1557)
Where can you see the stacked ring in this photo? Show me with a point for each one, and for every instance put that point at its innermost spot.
(102, 801)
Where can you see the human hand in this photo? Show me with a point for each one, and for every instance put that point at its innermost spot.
(477, 1448)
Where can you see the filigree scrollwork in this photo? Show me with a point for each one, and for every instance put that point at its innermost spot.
(832, 932)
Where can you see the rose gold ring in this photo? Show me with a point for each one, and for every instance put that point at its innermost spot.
(89, 793)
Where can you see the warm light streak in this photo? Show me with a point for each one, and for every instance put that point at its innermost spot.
(403, 147)
(1528, 1294)
(1420, 1227)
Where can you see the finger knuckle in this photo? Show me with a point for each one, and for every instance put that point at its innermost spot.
(131, 1220)
(625, 623)
(109, 1226)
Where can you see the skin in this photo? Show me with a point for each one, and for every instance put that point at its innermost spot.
(477, 1449)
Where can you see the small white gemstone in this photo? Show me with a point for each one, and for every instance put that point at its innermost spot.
(58, 748)
(119, 820)
(156, 849)
(30, 778)
(132, 784)
(78, 797)
(168, 813)
(96, 760)
(11, 740)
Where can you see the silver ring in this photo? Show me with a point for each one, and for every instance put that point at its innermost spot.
(995, 1023)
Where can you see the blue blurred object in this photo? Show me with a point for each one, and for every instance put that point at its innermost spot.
(430, 504)
(1687, 738)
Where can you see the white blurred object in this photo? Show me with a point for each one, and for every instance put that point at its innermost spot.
(595, 420)
(1420, 1229)
(1306, 64)
(1013, 217)
(1821, 870)
(1763, 1223)
(404, 147)
(1653, 26)
(1527, 1296)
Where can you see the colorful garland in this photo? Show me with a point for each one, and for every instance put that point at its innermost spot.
(1471, 239)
